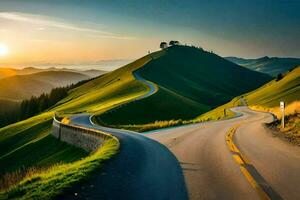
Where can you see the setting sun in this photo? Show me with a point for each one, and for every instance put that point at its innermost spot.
(3, 50)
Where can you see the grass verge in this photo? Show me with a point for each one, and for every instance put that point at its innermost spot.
(221, 112)
(53, 181)
(291, 131)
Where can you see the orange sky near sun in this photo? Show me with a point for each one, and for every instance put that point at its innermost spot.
(40, 39)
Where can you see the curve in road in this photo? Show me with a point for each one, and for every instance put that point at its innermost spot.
(153, 88)
(211, 172)
(143, 169)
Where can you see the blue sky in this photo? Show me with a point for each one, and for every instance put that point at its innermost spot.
(128, 29)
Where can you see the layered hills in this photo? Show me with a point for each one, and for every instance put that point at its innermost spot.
(7, 72)
(19, 87)
(269, 65)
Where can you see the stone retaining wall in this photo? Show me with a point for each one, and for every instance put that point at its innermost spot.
(87, 139)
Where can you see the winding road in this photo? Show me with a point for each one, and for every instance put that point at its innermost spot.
(143, 169)
(212, 172)
(238, 158)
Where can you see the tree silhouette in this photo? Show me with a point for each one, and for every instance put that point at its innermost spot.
(173, 42)
(163, 45)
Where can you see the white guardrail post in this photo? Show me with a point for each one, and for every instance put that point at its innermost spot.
(282, 106)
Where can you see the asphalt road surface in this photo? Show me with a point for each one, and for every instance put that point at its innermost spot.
(143, 169)
(211, 172)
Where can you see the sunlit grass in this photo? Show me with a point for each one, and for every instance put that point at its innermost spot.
(221, 112)
(26, 145)
(11, 179)
(45, 184)
(290, 109)
(287, 89)
(150, 126)
(291, 130)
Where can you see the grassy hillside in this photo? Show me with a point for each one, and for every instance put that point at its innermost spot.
(19, 87)
(28, 143)
(158, 107)
(191, 82)
(287, 89)
(201, 76)
(27, 147)
(94, 96)
(271, 66)
(109, 90)
(268, 96)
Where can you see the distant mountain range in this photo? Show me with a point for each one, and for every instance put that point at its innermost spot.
(19, 87)
(6, 72)
(268, 65)
(20, 84)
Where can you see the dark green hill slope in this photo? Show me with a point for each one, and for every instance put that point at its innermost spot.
(201, 76)
(271, 66)
(162, 105)
(191, 81)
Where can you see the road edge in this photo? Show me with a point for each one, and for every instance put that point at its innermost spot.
(257, 181)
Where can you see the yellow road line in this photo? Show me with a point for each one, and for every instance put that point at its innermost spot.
(254, 184)
(238, 159)
(242, 161)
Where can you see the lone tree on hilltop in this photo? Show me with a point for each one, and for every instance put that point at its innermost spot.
(173, 42)
(163, 45)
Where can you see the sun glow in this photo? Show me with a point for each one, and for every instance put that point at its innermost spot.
(3, 50)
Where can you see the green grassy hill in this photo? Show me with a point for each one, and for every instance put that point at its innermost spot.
(268, 96)
(19, 87)
(271, 66)
(191, 82)
(287, 89)
(29, 144)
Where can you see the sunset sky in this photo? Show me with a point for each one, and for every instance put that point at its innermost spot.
(67, 32)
